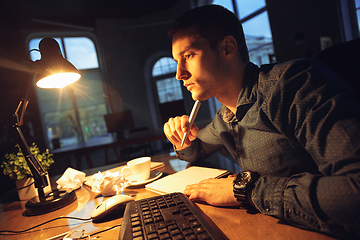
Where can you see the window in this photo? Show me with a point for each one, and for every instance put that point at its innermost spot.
(357, 5)
(256, 26)
(75, 113)
(168, 88)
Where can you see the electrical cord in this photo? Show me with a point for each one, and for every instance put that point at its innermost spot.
(16, 189)
(25, 186)
(85, 235)
(5, 232)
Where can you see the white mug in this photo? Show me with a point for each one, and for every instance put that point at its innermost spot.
(139, 167)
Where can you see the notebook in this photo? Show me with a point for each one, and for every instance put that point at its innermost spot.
(178, 181)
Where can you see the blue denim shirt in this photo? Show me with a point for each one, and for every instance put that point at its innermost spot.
(297, 125)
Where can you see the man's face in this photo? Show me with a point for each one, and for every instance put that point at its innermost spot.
(199, 66)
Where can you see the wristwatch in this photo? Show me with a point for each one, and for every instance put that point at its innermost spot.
(243, 185)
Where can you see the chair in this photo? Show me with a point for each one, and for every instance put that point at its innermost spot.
(137, 150)
(344, 59)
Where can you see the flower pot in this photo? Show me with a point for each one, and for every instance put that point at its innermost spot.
(29, 192)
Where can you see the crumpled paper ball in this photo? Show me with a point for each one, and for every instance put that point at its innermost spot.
(71, 178)
(109, 183)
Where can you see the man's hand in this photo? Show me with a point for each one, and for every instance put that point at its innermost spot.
(217, 192)
(175, 129)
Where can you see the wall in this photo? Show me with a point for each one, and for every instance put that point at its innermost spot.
(298, 25)
(126, 45)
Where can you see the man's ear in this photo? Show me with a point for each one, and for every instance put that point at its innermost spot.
(229, 47)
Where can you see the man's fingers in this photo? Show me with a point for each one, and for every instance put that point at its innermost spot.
(169, 133)
(175, 129)
(184, 123)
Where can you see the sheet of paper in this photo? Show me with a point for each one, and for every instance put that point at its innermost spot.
(178, 181)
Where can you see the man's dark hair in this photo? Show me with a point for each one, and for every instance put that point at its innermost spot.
(213, 22)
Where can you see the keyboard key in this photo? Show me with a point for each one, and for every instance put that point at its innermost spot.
(190, 218)
(150, 228)
(175, 232)
(188, 232)
(186, 212)
(152, 236)
(172, 227)
(203, 236)
(191, 237)
(199, 229)
(183, 224)
(136, 223)
(137, 234)
(135, 229)
(162, 230)
(144, 209)
(163, 205)
(194, 223)
(135, 219)
(178, 237)
(148, 221)
(165, 236)
(157, 214)
(158, 219)
(147, 216)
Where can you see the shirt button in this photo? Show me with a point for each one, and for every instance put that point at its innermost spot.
(315, 224)
(267, 205)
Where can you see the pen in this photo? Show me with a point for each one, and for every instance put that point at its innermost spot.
(193, 114)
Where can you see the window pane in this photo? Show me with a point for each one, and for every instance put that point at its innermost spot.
(259, 39)
(260, 49)
(92, 121)
(246, 7)
(357, 5)
(258, 26)
(164, 66)
(169, 90)
(225, 3)
(81, 52)
(60, 125)
(257, 29)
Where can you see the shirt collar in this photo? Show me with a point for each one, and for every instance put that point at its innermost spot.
(247, 95)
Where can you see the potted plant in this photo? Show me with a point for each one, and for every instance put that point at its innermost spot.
(16, 167)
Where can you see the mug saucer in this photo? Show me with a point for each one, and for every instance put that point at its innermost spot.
(153, 176)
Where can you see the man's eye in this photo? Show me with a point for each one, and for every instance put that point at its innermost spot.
(188, 56)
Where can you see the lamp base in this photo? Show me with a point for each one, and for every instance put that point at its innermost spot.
(53, 200)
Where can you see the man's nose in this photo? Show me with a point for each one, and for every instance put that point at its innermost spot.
(182, 73)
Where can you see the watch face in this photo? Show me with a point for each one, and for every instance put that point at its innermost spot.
(242, 180)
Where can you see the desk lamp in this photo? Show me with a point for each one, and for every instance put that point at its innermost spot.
(52, 71)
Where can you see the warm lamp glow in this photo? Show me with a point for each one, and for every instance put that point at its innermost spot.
(58, 80)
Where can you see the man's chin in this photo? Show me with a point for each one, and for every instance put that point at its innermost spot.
(198, 97)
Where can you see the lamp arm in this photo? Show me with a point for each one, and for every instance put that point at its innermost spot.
(37, 170)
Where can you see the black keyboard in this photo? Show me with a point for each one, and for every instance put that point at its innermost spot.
(170, 216)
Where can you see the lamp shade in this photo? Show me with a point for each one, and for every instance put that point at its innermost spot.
(52, 70)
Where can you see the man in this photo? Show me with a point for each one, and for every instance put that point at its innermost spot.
(293, 128)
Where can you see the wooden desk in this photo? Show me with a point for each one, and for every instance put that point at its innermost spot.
(235, 223)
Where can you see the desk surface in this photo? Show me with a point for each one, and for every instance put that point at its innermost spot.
(233, 222)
